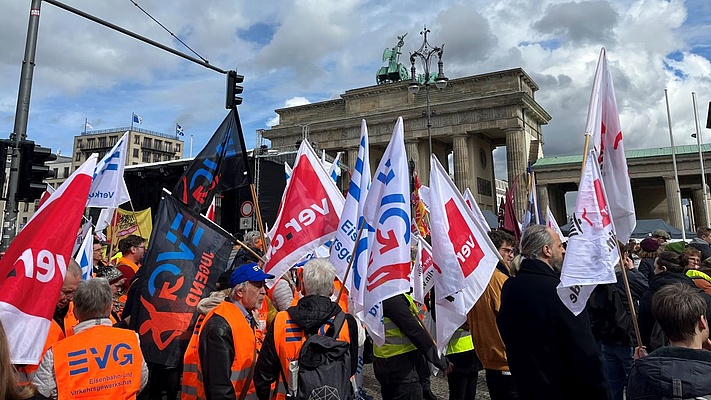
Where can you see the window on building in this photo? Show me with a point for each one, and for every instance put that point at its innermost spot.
(56, 172)
(135, 153)
(156, 157)
(177, 148)
(24, 221)
(137, 140)
(66, 172)
(79, 143)
(113, 140)
(102, 142)
(158, 145)
(26, 207)
(147, 142)
(166, 158)
(78, 157)
(169, 147)
(146, 156)
(90, 143)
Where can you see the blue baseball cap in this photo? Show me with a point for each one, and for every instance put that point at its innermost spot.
(248, 272)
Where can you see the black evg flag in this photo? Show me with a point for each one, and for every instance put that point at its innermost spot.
(220, 166)
(186, 256)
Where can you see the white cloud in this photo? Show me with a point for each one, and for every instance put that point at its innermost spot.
(292, 102)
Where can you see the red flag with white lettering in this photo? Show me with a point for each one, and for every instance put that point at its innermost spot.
(309, 216)
(33, 268)
(48, 192)
(462, 250)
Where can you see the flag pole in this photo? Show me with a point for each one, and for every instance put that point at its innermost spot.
(701, 159)
(133, 211)
(258, 212)
(113, 235)
(85, 121)
(676, 173)
(249, 249)
(132, 114)
(623, 269)
(350, 263)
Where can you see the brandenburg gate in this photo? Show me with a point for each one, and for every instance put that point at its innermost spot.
(470, 118)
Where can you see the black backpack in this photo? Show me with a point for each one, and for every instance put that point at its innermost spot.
(324, 365)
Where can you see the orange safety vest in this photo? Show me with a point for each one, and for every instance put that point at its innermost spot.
(288, 339)
(101, 362)
(262, 317)
(343, 299)
(244, 340)
(55, 334)
(70, 321)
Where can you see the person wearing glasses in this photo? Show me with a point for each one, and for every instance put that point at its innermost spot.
(132, 249)
(222, 364)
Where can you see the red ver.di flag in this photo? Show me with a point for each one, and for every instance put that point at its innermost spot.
(309, 215)
(462, 250)
(186, 256)
(33, 268)
(592, 253)
(604, 127)
(387, 210)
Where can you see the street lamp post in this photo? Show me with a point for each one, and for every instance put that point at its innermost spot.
(424, 54)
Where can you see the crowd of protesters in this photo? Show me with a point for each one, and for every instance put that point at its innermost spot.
(247, 338)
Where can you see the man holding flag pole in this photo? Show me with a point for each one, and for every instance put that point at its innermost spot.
(402, 344)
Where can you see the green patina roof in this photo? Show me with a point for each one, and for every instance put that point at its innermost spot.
(637, 153)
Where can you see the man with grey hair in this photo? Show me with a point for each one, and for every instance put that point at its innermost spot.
(253, 240)
(314, 313)
(98, 360)
(551, 352)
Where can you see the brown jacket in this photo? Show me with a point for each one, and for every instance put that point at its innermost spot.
(482, 322)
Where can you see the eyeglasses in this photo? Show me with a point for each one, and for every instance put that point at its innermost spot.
(258, 284)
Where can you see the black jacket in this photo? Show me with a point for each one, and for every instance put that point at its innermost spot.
(646, 267)
(216, 364)
(310, 313)
(411, 366)
(244, 256)
(609, 309)
(652, 377)
(646, 319)
(552, 353)
(702, 246)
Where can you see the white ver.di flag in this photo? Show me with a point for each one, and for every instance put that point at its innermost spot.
(424, 272)
(478, 215)
(108, 190)
(387, 210)
(349, 225)
(592, 252)
(463, 251)
(553, 224)
(603, 125)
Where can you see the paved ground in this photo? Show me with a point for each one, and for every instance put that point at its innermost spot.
(439, 385)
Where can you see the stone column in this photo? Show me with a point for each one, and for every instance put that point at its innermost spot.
(673, 203)
(516, 159)
(543, 200)
(461, 162)
(699, 210)
(351, 157)
(413, 153)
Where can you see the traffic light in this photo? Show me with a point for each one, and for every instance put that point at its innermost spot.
(233, 89)
(33, 172)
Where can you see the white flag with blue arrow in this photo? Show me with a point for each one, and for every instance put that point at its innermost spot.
(108, 190)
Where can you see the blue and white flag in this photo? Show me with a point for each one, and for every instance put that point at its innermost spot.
(335, 171)
(288, 171)
(387, 210)
(348, 226)
(85, 256)
(137, 119)
(179, 130)
(108, 190)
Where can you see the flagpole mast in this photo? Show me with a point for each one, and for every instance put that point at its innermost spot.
(85, 122)
(701, 159)
(350, 263)
(676, 172)
(132, 114)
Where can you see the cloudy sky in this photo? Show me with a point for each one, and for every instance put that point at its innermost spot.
(294, 52)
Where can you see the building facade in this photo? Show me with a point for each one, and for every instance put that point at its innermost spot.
(469, 119)
(144, 146)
